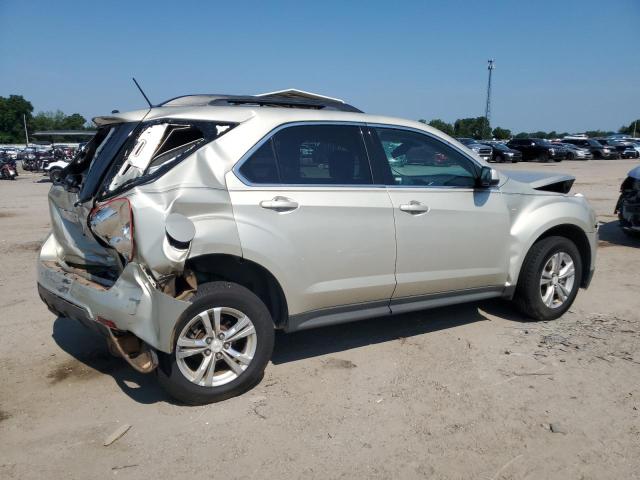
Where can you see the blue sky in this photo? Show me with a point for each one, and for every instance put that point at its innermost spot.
(561, 65)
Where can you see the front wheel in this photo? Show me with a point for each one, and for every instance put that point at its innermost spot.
(543, 157)
(549, 279)
(222, 345)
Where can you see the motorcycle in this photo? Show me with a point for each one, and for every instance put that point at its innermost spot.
(8, 170)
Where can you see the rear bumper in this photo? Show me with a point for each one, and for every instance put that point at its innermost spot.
(132, 303)
(63, 308)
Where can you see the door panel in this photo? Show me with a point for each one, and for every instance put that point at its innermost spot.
(337, 247)
(450, 236)
(459, 243)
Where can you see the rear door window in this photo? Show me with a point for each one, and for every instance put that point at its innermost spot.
(310, 155)
(261, 167)
(322, 154)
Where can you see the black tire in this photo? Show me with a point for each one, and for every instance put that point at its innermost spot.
(543, 157)
(527, 297)
(499, 159)
(54, 174)
(597, 155)
(216, 294)
(570, 156)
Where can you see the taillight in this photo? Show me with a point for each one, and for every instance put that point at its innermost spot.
(112, 222)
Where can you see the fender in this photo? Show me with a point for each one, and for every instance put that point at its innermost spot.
(538, 217)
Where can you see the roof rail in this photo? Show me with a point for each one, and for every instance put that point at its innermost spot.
(259, 100)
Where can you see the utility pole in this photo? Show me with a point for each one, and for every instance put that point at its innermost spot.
(487, 109)
(26, 136)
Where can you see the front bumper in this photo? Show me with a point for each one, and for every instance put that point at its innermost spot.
(132, 303)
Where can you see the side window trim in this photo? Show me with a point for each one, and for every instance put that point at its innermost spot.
(269, 138)
(476, 166)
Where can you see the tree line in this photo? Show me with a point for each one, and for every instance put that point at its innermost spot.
(478, 128)
(15, 107)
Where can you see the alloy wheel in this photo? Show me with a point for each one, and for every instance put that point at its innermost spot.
(216, 346)
(557, 279)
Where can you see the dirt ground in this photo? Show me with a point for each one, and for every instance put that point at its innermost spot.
(468, 392)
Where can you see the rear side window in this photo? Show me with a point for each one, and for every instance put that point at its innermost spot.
(311, 155)
(154, 148)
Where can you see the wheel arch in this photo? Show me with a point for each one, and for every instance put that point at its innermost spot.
(578, 236)
(571, 231)
(249, 274)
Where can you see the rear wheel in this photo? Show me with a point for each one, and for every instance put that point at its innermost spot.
(549, 279)
(543, 157)
(223, 343)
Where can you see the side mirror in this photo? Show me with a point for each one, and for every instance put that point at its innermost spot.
(488, 177)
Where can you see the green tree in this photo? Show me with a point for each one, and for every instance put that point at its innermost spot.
(597, 133)
(521, 135)
(12, 109)
(441, 125)
(74, 121)
(539, 134)
(501, 133)
(632, 129)
(469, 127)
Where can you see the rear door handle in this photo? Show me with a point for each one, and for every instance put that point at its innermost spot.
(414, 207)
(279, 204)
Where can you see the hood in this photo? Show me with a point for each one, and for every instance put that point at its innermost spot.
(549, 182)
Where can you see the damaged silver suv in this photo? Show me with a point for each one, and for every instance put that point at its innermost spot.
(187, 233)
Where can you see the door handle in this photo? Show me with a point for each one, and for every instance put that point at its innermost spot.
(279, 204)
(414, 207)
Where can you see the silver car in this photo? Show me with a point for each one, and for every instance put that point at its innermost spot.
(188, 233)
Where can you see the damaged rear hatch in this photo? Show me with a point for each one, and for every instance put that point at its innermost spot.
(71, 201)
(124, 153)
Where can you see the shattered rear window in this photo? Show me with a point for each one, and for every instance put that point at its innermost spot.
(154, 148)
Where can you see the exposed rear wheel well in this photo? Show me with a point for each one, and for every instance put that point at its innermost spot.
(579, 238)
(220, 267)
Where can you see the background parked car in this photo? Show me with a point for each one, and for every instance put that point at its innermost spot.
(11, 153)
(502, 153)
(625, 149)
(483, 151)
(537, 149)
(628, 206)
(54, 169)
(596, 148)
(574, 152)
